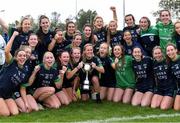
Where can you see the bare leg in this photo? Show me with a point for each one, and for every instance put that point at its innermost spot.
(118, 94)
(156, 101)
(4, 108)
(146, 100)
(110, 94)
(136, 99)
(128, 93)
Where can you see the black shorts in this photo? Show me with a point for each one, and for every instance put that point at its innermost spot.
(82, 91)
(66, 84)
(5, 94)
(110, 84)
(178, 91)
(58, 90)
(31, 90)
(144, 89)
(165, 92)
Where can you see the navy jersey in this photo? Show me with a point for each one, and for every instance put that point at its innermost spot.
(102, 37)
(109, 74)
(46, 77)
(116, 39)
(149, 39)
(21, 39)
(133, 30)
(68, 38)
(44, 41)
(12, 77)
(144, 72)
(177, 39)
(35, 53)
(66, 82)
(73, 65)
(59, 47)
(129, 48)
(87, 41)
(175, 70)
(162, 75)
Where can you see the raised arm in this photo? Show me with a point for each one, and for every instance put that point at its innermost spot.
(52, 44)
(33, 75)
(8, 55)
(113, 9)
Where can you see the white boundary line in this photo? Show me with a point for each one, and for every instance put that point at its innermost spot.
(137, 117)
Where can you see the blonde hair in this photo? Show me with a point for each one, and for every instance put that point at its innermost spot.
(47, 53)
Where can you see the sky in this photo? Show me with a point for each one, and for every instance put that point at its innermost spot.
(11, 10)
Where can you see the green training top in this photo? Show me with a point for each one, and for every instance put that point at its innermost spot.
(125, 77)
(166, 33)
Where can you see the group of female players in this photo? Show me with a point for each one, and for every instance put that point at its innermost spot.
(139, 65)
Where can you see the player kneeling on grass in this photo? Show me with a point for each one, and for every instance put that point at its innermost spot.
(107, 79)
(12, 77)
(125, 80)
(45, 76)
(164, 88)
(142, 66)
(64, 93)
(174, 61)
(94, 67)
(74, 66)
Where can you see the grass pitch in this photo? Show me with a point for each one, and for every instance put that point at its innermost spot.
(93, 112)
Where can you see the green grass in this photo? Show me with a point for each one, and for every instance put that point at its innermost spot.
(84, 111)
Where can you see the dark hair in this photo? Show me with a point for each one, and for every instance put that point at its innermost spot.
(164, 10)
(149, 22)
(59, 55)
(122, 55)
(167, 57)
(19, 28)
(128, 16)
(138, 48)
(71, 60)
(91, 38)
(31, 35)
(69, 22)
(40, 32)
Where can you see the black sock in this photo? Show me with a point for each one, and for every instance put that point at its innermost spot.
(98, 99)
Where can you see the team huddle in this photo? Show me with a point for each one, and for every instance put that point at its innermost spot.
(139, 65)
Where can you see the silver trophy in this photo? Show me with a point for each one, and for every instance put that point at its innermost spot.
(86, 85)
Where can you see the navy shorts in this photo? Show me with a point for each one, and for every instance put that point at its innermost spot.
(144, 89)
(178, 91)
(58, 90)
(5, 94)
(165, 92)
(108, 84)
(67, 84)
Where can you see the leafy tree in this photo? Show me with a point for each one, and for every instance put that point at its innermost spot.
(172, 5)
(84, 17)
(56, 22)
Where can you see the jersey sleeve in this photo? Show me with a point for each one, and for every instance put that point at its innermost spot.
(56, 77)
(98, 62)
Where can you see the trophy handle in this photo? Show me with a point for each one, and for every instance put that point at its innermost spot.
(86, 75)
